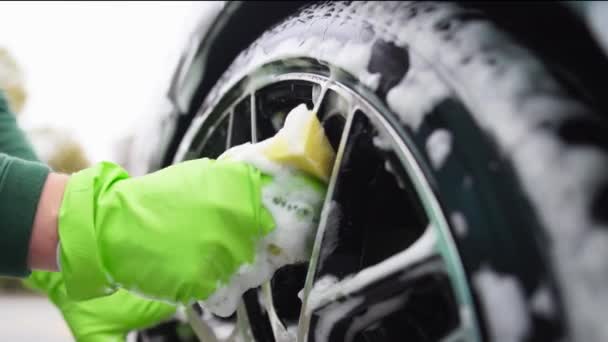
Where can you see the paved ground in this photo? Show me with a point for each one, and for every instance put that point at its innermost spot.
(31, 319)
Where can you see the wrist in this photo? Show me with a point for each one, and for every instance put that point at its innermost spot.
(42, 252)
(81, 226)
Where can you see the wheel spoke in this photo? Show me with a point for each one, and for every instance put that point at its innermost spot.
(357, 308)
(230, 125)
(243, 324)
(254, 129)
(466, 331)
(326, 214)
(275, 323)
(201, 329)
(421, 252)
(187, 141)
(319, 99)
(208, 327)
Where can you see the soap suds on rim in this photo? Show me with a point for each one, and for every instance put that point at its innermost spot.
(459, 223)
(504, 304)
(438, 147)
(294, 206)
(405, 98)
(329, 288)
(542, 302)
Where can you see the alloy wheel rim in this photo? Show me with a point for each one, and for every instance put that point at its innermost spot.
(433, 251)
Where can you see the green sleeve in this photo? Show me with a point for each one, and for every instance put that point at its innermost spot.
(21, 181)
(12, 139)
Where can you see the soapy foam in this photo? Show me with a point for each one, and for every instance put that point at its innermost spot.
(459, 223)
(405, 98)
(504, 303)
(328, 288)
(332, 315)
(294, 207)
(542, 302)
(438, 147)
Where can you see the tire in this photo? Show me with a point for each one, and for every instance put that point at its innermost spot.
(517, 161)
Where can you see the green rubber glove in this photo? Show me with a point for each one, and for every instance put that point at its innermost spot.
(177, 234)
(102, 319)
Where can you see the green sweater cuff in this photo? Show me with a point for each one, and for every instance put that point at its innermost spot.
(21, 183)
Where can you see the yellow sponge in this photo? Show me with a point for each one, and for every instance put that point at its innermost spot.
(302, 144)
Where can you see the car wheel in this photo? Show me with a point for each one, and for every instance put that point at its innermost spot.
(468, 196)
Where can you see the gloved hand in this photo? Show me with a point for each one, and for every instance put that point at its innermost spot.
(172, 235)
(293, 200)
(102, 319)
(186, 232)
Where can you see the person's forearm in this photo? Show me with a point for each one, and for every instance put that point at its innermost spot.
(21, 184)
(42, 252)
(20, 190)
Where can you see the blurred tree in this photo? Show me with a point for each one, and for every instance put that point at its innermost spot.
(12, 81)
(54, 146)
(58, 149)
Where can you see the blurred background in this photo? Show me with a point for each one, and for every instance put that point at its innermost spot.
(82, 78)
